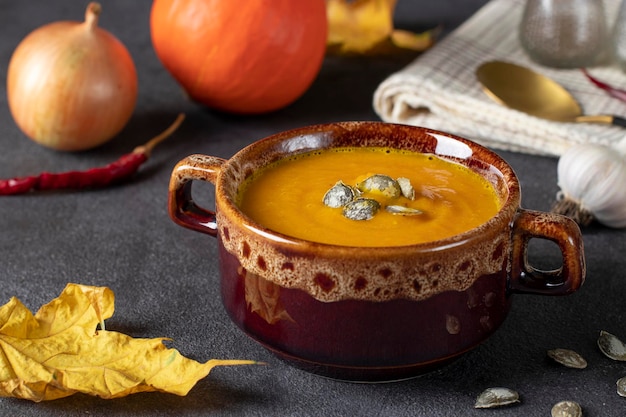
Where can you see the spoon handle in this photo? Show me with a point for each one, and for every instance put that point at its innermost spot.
(606, 119)
(618, 121)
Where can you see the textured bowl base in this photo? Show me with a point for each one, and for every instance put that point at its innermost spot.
(365, 374)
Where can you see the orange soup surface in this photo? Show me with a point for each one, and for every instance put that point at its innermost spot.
(287, 197)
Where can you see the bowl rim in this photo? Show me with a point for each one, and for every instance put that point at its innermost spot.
(228, 207)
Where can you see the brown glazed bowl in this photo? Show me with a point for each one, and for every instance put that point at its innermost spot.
(382, 313)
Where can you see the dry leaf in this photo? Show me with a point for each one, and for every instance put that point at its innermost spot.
(365, 27)
(58, 352)
(102, 300)
(263, 297)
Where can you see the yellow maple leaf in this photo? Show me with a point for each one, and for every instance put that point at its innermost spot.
(58, 352)
(365, 27)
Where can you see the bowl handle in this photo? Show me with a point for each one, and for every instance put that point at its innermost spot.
(182, 209)
(554, 227)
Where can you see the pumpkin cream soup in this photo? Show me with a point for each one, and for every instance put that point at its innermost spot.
(368, 197)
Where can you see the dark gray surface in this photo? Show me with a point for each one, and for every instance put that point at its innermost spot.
(165, 277)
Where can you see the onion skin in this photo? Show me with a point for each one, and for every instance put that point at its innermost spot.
(71, 86)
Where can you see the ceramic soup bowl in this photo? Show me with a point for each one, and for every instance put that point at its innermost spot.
(372, 313)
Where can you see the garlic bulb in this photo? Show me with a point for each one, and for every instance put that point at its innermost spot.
(592, 179)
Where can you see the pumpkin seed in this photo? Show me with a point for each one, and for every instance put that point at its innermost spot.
(496, 397)
(339, 195)
(361, 209)
(382, 184)
(621, 387)
(567, 357)
(567, 409)
(403, 211)
(611, 346)
(406, 188)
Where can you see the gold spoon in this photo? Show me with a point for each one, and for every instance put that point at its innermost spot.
(522, 89)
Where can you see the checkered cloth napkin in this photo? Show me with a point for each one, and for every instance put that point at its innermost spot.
(439, 90)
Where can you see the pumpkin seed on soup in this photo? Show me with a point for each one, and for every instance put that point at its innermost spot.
(406, 188)
(403, 210)
(361, 209)
(339, 195)
(380, 184)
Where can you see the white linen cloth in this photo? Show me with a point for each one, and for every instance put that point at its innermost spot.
(439, 90)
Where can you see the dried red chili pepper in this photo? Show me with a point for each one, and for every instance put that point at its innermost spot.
(117, 171)
(610, 90)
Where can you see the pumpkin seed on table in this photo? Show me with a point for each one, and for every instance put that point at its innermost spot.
(566, 409)
(496, 397)
(568, 358)
(621, 387)
(611, 346)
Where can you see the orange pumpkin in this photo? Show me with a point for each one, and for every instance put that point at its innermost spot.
(241, 56)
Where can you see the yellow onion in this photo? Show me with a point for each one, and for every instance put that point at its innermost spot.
(71, 85)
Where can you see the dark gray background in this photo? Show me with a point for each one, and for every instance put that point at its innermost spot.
(165, 277)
